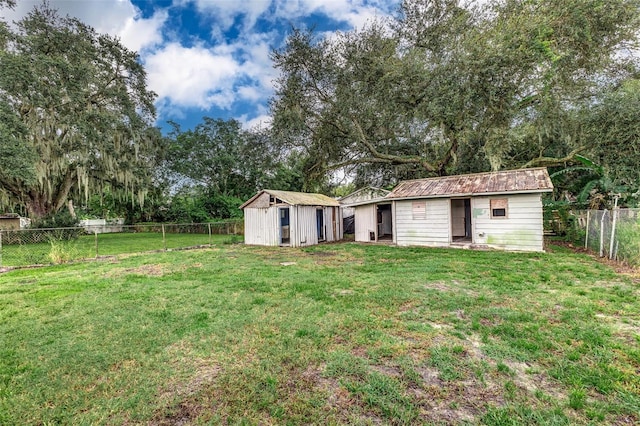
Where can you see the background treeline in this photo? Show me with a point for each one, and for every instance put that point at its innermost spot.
(444, 87)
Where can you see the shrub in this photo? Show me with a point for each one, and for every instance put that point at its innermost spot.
(61, 219)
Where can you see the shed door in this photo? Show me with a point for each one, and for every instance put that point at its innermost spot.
(284, 225)
(320, 224)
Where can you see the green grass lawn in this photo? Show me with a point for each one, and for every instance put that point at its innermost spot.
(332, 334)
(85, 247)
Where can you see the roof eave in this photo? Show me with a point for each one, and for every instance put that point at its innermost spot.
(470, 194)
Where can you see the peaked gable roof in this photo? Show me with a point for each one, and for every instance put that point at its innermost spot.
(362, 194)
(501, 182)
(296, 198)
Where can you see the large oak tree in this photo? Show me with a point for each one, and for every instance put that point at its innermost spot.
(75, 103)
(449, 87)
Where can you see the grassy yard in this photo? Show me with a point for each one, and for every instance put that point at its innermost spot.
(86, 247)
(332, 334)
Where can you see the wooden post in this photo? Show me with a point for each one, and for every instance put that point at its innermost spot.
(209, 226)
(164, 239)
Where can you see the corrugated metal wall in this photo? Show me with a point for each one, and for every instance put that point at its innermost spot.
(366, 222)
(305, 226)
(261, 226)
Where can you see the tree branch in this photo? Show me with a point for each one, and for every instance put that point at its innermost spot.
(388, 158)
(551, 161)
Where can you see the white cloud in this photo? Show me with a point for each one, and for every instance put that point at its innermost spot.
(356, 13)
(225, 75)
(194, 76)
(226, 11)
(118, 18)
(262, 121)
(139, 34)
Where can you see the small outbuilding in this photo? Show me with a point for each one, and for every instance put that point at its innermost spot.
(367, 195)
(9, 221)
(496, 209)
(295, 219)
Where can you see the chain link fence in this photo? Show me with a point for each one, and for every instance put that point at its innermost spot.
(612, 233)
(26, 247)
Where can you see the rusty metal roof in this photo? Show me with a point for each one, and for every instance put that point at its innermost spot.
(297, 198)
(501, 182)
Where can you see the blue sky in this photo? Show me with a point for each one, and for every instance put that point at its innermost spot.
(211, 57)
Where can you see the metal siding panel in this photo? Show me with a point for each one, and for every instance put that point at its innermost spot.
(365, 222)
(294, 218)
(261, 226)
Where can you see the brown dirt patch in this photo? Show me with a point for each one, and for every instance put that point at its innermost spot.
(189, 407)
(528, 377)
(150, 270)
(628, 329)
(438, 285)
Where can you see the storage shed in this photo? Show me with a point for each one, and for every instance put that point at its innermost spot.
(363, 194)
(496, 209)
(284, 218)
(9, 221)
(348, 202)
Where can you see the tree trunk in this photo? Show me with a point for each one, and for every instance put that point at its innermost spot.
(37, 206)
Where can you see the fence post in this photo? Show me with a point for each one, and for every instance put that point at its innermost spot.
(604, 214)
(613, 227)
(95, 235)
(164, 239)
(586, 237)
(209, 226)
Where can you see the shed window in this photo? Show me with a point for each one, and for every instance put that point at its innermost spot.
(419, 210)
(499, 207)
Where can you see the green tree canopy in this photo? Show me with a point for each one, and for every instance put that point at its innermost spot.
(221, 157)
(448, 87)
(76, 103)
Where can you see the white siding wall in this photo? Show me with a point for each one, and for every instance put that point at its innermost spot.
(431, 231)
(366, 221)
(333, 223)
(521, 230)
(303, 226)
(261, 226)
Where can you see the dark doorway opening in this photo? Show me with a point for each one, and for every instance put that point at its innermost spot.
(320, 224)
(285, 237)
(385, 223)
(461, 226)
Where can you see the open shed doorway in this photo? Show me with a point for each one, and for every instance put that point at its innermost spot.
(320, 224)
(285, 236)
(385, 224)
(461, 220)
